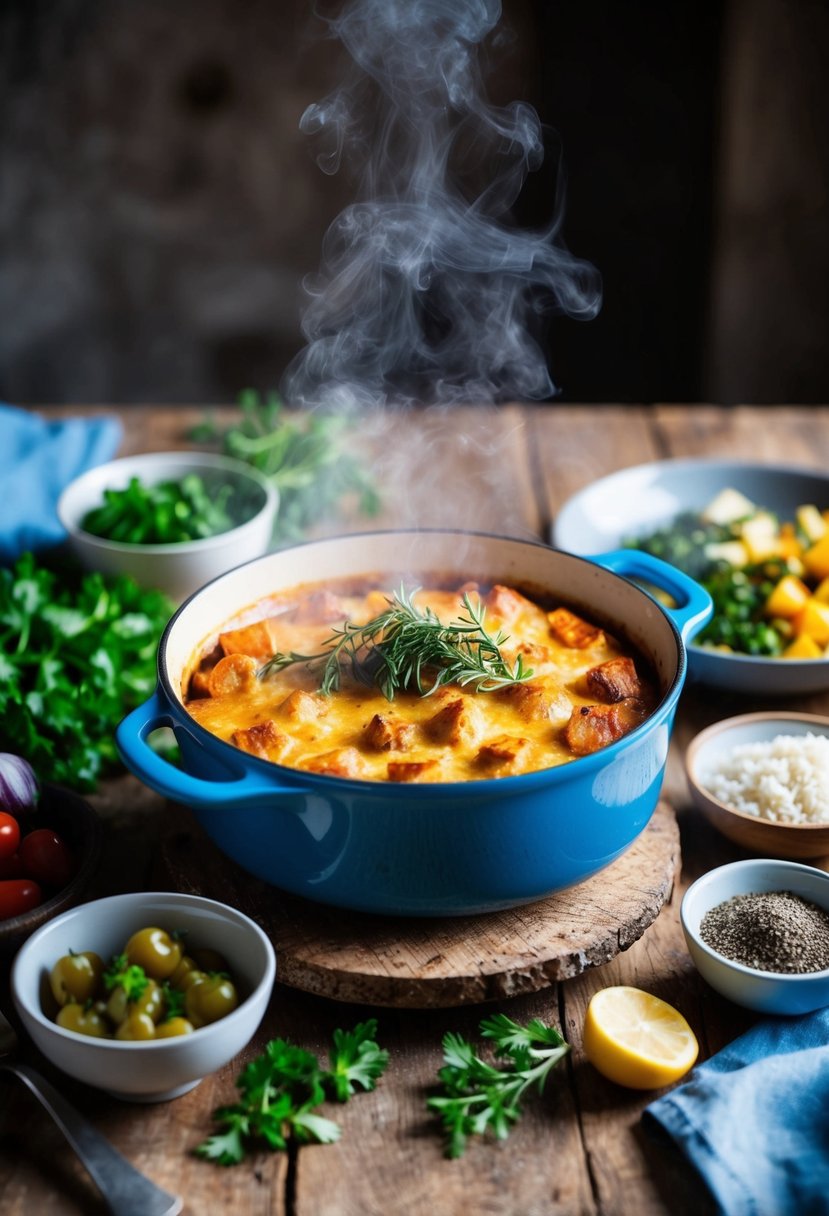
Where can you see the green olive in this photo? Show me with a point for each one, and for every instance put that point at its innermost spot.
(156, 951)
(178, 977)
(210, 960)
(173, 1027)
(213, 998)
(83, 1021)
(76, 977)
(190, 979)
(136, 1026)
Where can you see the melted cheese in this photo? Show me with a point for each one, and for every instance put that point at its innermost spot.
(454, 734)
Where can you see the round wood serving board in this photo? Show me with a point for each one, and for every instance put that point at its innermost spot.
(421, 963)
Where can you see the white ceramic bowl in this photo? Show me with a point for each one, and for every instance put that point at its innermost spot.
(710, 747)
(764, 991)
(160, 1069)
(177, 569)
(636, 501)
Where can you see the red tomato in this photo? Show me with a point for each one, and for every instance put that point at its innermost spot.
(9, 835)
(11, 867)
(47, 858)
(18, 895)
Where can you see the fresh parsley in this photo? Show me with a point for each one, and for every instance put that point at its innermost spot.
(122, 974)
(77, 652)
(281, 1089)
(480, 1097)
(405, 647)
(306, 456)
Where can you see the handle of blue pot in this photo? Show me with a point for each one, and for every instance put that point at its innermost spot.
(694, 606)
(131, 738)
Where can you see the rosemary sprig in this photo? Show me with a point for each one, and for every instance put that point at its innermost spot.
(404, 647)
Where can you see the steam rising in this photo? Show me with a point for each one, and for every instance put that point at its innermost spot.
(425, 292)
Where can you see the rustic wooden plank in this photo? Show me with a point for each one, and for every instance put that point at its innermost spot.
(574, 445)
(390, 1158)
(785, 435)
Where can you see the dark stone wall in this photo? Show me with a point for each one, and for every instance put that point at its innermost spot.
(159, 206)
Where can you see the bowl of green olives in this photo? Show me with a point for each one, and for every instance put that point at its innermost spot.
(144, 994)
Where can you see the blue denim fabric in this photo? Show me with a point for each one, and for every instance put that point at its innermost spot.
(38, 459)
(754, 1119)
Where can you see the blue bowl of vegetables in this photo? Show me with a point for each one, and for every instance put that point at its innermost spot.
(755, 535)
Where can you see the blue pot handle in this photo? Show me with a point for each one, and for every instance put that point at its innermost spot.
(694, 606)
(160, 775)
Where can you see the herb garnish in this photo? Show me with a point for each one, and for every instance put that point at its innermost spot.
(306, 457)
(77, 652)
(167, 513)
(130, 976)
(280, 1089)
(405, 647)
(480, 1097)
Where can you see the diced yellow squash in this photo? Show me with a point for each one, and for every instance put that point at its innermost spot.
(813, 620)
(727, 506)
(811, 522)
(790, 546)
(732, 551)
(821, 592)
(803, 647)
(761, 537)
(816, 559)
(788, 597)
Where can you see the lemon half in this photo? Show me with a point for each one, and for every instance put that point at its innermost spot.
(636, 1039)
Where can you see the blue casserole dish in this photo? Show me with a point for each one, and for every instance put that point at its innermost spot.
(423, 849)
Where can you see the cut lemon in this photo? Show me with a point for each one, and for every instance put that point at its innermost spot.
(636, 1039)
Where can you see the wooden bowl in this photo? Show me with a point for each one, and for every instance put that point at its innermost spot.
(762, 836)
(78, 824)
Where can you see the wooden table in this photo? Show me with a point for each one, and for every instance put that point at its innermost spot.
(580, 1149)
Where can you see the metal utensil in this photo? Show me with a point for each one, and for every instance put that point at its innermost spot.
(125, 1191)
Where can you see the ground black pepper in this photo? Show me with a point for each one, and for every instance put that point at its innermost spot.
(770, 931)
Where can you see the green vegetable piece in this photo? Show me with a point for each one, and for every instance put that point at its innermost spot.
(280, 1089)
(479, 1097)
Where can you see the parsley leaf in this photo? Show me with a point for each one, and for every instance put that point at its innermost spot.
(479, 1097)
(77, 652)
(281, 1088)
(122, 974)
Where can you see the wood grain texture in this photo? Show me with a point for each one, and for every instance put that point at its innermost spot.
(419, 963)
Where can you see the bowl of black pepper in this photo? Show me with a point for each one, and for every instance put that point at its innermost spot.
(758, 933)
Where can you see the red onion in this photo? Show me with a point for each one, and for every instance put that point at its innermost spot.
(19, 789)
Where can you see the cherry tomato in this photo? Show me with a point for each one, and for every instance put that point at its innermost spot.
(11, 867)
(75, 977)
(210, 1000)
(47, 858)
(156, 951)
(18, 895)
(9, 835)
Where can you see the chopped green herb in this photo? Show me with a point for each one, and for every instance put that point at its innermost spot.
(77, 652)
(167, 513)
(281, 1088)
(480, 1097)
(122, 974)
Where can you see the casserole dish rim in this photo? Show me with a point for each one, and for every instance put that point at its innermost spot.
(231, 756)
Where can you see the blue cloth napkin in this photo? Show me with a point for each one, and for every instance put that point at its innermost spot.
(754, 1119)
(38, 459)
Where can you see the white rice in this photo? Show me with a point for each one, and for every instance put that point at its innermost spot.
(785, 779)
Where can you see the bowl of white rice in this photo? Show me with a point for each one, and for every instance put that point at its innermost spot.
(762, 779)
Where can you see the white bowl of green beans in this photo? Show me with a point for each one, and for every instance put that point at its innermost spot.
(170, 520)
